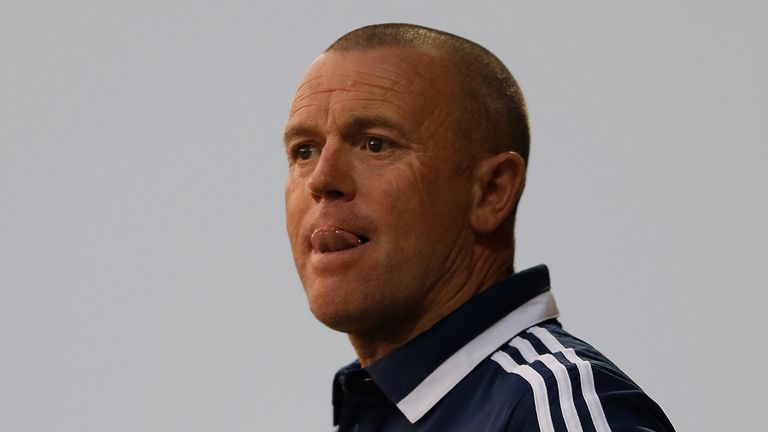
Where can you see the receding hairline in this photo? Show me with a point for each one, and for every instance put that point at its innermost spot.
(398, 34)
(448, 47)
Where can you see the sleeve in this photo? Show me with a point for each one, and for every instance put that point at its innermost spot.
(588, 398)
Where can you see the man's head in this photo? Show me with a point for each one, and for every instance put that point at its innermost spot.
(406, 151)
(494, 117)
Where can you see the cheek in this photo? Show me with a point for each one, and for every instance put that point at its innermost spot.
(423, 186)
(406, 181)
(414, 202)
(295, 208)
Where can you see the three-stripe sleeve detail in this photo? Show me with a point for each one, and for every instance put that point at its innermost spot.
(540, 396)
(586, 377)
(562, 377)
(564, 391)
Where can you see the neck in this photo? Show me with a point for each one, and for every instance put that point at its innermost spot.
(485, 267)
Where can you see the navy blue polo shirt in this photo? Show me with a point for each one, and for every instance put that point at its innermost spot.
(500, 362)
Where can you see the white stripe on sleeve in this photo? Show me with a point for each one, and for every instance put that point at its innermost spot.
(547, 338)
(565, 392)
(586, 377)
(505, 361)
(588, 390)
(525, 348)
(540, 397)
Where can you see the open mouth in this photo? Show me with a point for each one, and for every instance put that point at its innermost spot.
(331, 239)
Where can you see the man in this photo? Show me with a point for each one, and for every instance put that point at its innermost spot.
(407, 153)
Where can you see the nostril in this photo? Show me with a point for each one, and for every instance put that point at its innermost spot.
(333, 194)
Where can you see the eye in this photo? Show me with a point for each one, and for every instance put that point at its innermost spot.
(304, 151)
(375, 144)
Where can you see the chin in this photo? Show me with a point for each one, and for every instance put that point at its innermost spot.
(342, 319)
(339, 310)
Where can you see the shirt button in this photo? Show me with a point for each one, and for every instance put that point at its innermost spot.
(343, 382)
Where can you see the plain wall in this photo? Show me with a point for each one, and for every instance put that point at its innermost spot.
(146, 282)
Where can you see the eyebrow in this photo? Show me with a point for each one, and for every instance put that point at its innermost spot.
(361, 123)
(351, 127)
(298, 130)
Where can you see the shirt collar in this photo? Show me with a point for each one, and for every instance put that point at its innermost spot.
(418, 374)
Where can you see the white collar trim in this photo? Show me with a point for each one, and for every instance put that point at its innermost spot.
(446, 376)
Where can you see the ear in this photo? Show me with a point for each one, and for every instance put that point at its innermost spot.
(498, 183)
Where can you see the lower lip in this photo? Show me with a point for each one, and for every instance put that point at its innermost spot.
(338, 258)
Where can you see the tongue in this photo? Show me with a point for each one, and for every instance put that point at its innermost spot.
(334, 240)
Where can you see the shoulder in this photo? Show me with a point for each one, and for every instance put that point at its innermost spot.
(570, 386)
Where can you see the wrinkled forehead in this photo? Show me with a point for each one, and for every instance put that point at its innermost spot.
(376, 74)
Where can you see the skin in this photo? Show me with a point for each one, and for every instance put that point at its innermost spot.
(373, 150)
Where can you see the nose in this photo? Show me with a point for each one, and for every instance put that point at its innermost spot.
(332, 177)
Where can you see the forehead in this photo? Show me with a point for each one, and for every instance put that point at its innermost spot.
(406, 81)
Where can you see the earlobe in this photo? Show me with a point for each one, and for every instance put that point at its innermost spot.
(499, 181)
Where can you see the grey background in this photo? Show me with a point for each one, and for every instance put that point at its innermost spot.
(146, 282)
